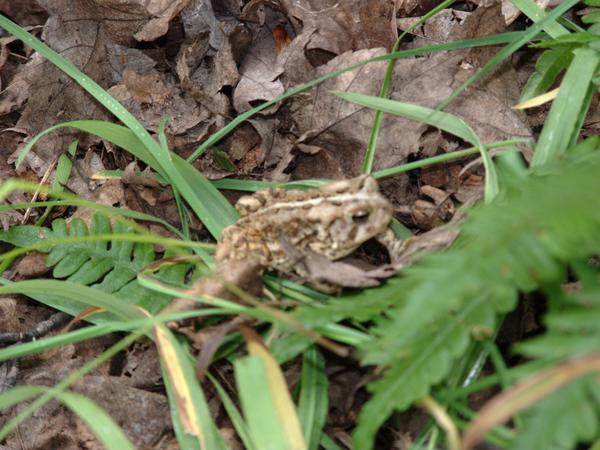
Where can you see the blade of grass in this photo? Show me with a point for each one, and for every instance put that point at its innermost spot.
(64, 293)
(446, 157)
(384, 92)
(313, 402)
(207, 202)
(190, 404)
(497, 39)
(529, 34)
(266, 401)
(444, 121)
(214, 216)
(118, 214)
(563, 120)
(535, 13)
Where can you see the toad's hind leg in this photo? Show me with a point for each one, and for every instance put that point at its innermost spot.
(394, 246)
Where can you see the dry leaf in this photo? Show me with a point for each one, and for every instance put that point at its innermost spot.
(162, 11)
(259, 72)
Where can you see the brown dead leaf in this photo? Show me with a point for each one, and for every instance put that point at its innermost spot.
(23, 12)
(151, 106)
(342, 129)
(342, 26)
(142, 415)
(206, 63)
(162, 12)
(259, 72)
(85, 32)
(148, 88)
(488, 107)
(32, 265)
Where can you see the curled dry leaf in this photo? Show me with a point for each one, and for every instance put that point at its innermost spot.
(342, 26)
(152, 96)
(206, 63)
(259, 74)
(162, 12)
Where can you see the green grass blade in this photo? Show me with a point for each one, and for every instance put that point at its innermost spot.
(117, 214)
(535, 13)
(563, 120)
(101, 424)
(384, 92)
(442, 120)
(214, 221)
(116, 134)
(185, 394)
(207, 202)
(313, 403)
(525, 37)
(258, 404)
(548, 67)
(502, 38)
(439, 119)
(69, 297)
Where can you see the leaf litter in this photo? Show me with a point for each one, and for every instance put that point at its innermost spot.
(201, 63)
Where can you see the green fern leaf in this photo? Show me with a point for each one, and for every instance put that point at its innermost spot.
(424, 319)
(520, 243)
(573, 323)
(109, 266)
(568, 416)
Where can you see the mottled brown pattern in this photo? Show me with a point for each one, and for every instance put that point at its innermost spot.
(333, 221)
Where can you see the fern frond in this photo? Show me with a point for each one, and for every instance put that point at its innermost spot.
(520, 243)
(425, 318)
(568, 416)
(109, 266)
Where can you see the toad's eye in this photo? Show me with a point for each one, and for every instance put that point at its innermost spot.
(360, 217)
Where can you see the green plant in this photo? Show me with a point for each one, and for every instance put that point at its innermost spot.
(111, 266)
(416, 328)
